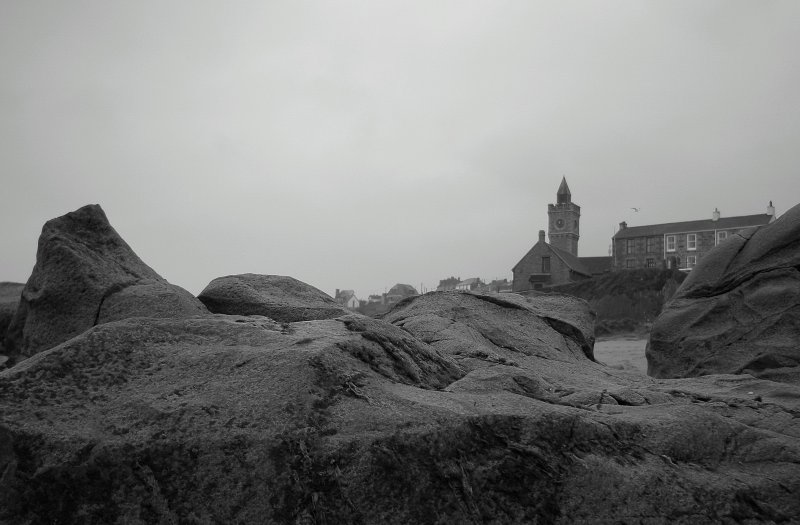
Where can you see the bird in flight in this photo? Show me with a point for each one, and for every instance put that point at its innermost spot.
(636, 209)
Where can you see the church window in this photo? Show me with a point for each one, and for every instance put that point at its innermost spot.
(545, 264)
(670, 243)
(691, 241)
(721, 236)
(630, 246)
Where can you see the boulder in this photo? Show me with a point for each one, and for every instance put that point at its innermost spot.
(81, 261)
(738, 312)
(455, 407)
(9, 301)
(284, 299)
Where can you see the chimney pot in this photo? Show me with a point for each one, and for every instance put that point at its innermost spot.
(715, 215)
(623, 225)
(771, 209)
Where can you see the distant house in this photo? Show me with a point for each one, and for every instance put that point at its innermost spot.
(557, 262)
(678, 244)
(448, 284)
(373, 299)
(499, 285)
(347, 298)
(398, 292)
(469, 285)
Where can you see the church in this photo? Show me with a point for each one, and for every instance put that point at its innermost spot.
(557, 262)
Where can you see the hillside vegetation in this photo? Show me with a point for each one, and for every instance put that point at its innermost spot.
(626, 301)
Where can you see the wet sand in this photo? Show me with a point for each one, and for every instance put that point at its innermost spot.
(622, 352)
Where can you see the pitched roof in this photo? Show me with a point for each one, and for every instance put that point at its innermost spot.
(570, 260)
(694, 226)
(597, 264)
(471, 280)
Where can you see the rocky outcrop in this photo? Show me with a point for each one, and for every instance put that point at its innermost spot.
(81, 262)
(738, 312)
(281, 298)
(472, 408)
(454, 407)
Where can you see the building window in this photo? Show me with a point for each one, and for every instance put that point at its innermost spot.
(721, 236)
(630, 263)
(670, 243)
(630, 246)
(545, 264)
(691, 241)
(651, 263)
(652, 244)
(691, 261)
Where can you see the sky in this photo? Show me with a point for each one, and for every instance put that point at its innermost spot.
(359, 144)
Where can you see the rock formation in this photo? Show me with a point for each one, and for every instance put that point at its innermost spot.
(81, 262)
(453, 408)
(282, 298)
(738, 312)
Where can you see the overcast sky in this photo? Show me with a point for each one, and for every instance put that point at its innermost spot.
(357, 144)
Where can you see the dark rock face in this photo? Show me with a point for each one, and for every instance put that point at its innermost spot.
(454, 408)
(81, 261)
(738, 312)
(9, 301)
(281, 298)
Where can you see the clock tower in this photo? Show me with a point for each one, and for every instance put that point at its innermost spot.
(564, 220)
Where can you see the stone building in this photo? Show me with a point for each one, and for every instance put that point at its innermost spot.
(557, 262)
(678, 244)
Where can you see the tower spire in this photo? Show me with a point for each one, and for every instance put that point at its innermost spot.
(563, 195)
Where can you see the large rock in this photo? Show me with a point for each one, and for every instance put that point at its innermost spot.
(81, 262)
(282, 298)
(454, 408)
(738, 312)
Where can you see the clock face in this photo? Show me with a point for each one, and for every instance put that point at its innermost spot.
(559, 223)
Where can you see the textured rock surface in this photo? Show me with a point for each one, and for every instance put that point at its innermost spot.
(738, 311)
(9, 301)
(454, 408)
(80, 262)
(282, 298)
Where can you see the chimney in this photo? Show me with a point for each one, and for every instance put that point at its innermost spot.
(337, 294)
(623, 225)
(771, 209)
(541, 235)
(715, 215)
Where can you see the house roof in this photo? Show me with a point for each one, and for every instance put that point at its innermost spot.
(471, 280)
(597, 264)
(570, 260)
(722, 223)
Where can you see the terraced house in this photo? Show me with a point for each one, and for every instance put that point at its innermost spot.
(678, 244)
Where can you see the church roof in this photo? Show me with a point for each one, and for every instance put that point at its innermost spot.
(597, 265)
(570, 260)
(722, 223)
